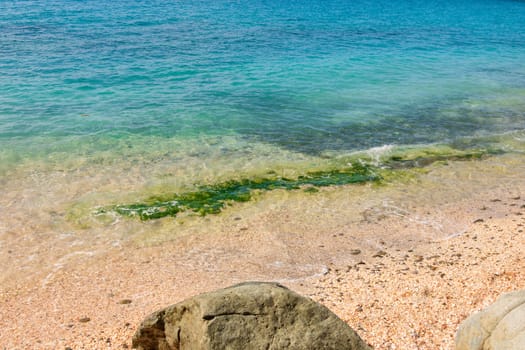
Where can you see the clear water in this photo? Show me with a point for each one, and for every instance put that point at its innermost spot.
(130, 79)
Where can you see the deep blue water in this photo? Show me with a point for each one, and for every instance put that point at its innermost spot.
(307, 76)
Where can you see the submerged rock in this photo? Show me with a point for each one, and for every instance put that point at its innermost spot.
(501, 326)
(252, 315)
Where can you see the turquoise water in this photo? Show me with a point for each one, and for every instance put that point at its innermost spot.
(139, 78)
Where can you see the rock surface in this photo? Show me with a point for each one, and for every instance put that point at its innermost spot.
(251, 315)
(501, 326)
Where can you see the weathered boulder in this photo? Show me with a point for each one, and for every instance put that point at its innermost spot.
(501, 326)
(251, 315)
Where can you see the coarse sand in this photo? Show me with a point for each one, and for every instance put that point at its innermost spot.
(403, 273)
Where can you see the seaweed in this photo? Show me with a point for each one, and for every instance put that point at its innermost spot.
(428, 157)
(211, 199)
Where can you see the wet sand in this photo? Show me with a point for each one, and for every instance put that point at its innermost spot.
(403, 264)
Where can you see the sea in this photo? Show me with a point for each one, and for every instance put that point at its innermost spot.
(107, 103)
(145, 79)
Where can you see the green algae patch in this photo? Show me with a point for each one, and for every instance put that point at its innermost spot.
(391, 176)
(402, 164)
(406, 165)
(211, 199)
(428, 157)
(419, 157)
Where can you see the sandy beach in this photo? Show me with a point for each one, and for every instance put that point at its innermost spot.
(403, 263)
(369, 155)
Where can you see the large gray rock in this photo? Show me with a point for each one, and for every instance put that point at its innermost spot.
(501, 326)
(247, 316)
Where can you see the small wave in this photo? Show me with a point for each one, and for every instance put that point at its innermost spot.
(376, 153)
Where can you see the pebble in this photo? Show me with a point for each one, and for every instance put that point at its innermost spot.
(379, 254)
(418, 258)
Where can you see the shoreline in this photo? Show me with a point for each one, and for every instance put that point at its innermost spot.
(305, 241)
